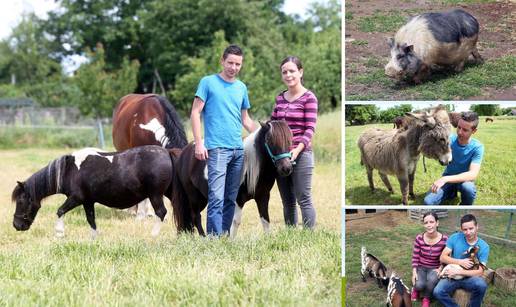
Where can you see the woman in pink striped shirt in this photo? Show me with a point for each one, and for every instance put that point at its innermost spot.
(425, 258)
(298, 107)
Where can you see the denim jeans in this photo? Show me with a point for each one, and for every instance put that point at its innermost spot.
(426, 280)
(467, 190)
(224, 173)
(298, 186)
(475, 285)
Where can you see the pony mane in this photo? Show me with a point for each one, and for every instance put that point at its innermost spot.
(174, 129)
(251, 162)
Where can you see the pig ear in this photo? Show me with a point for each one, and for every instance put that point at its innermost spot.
(408, 49)
(390, 41)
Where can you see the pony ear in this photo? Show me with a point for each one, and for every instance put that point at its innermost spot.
(20, 184)
(262, 123)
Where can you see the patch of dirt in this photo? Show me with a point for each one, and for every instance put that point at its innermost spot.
(497, 38)
(383, 220)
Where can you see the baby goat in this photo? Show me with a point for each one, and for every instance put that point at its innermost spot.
(473, 255)
(375, 268)
(397, 293)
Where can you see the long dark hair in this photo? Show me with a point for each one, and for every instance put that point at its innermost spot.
(295, 60)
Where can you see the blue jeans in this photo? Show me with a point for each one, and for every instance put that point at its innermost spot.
(224, 173)
(467, 190)
(475, 285)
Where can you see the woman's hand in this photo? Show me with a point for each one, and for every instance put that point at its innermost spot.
(296, 151)
(414, 277)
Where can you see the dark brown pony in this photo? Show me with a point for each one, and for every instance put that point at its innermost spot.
(266, 156)
(146, 120)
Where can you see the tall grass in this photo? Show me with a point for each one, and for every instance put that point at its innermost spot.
(495, 183)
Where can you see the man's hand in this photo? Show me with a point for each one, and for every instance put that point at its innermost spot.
(200, 151)
(466, 263)
(438, 184)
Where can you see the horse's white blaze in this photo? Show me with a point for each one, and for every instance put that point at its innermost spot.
(155, 127)
(59, 228)
(82, 154)
(237, 219)
(265, 224)
(251, 163)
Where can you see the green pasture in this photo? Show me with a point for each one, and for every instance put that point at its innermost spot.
(393, 245)
(495, 183)
(126, 266)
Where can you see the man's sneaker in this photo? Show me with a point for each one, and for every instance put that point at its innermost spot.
(414, 295)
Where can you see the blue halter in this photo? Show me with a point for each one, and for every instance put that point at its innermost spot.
(276, 158)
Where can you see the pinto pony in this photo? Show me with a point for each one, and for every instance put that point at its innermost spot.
(146, 120)
(117, 180)
(267, 156)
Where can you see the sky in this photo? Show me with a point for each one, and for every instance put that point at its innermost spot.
(11, 11)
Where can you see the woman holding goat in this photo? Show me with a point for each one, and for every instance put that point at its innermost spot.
(425, 258)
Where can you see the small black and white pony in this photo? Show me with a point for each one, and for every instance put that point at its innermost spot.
(117, 180)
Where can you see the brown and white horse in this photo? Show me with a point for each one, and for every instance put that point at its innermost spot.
(146, 120)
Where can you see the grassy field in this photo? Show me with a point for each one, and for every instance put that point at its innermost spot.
(126, 266)
(495, 183)
(393, 245)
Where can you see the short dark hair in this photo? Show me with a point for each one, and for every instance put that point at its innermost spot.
(470, 117)
(468, 218)
(432, 213)
(232, 49)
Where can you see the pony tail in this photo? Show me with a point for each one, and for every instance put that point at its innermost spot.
(180, 203)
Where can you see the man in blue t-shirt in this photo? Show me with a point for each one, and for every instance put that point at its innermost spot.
(455, 252)
(223, 102)
(459, 175)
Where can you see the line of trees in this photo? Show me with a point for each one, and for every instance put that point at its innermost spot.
(166, 46)
(365, 114)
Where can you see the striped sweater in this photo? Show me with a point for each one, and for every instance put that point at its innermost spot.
(300, 115)
(424, 255)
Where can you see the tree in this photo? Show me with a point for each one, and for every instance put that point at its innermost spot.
(486, 109)
(361, 114)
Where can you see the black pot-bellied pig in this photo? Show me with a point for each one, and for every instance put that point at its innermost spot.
(433, 40)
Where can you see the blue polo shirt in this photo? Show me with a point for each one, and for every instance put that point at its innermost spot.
(463, 155)
(222, 112)
(459, 245)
